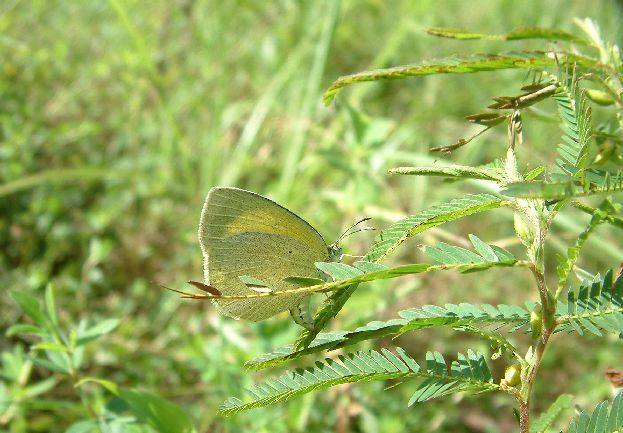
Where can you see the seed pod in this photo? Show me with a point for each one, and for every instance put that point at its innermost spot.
(512, 375)
(600, 97)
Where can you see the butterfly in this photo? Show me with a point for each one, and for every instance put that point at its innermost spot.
(251, 244)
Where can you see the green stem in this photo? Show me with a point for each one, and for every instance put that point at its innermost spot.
(548, 309)
(75, 378)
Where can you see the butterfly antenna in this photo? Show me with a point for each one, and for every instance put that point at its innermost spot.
(348, 232)
(364, 229)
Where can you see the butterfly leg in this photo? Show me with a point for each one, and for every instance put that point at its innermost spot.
(302, 314)
(352, 257)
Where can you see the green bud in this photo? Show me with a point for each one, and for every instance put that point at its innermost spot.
(600, 97)
(512, 375)
(523, 229)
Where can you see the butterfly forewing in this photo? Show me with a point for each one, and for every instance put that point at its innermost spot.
(243, 233)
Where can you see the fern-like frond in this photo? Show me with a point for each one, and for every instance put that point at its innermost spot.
(468, 374)
(361, 277)
(617, 222)
(452, 255)
(397, 233)
(464, 317)
(326, 341)
(344, 288)
(575, 113)
(594, 308)
(603, 179)
(542, 423)
(544, 190)
(601, 420)
(566, 263)
(462, 65)
(452, 171)
(465, 314)
(390, 239)
(607, 183)
(498, 343)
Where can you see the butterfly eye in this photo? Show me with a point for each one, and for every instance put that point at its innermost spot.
(336, 253)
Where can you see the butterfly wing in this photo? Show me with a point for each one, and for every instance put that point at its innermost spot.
(243, 233)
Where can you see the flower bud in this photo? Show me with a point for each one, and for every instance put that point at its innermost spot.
(523, 229)
(600, 97)
(512, 375)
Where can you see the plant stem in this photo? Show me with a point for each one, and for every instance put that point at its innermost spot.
(75, 379)
(524, 402)
(524, 416)
(548, 324)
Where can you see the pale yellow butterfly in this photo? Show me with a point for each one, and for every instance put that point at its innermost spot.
(244, 234)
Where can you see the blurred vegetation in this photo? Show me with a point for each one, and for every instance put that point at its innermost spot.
(117, 117)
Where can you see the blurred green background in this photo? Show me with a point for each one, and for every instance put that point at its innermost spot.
(118, 116)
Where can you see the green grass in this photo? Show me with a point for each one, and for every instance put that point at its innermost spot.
(117, 117)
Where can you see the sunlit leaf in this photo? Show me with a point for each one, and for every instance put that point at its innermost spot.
(29, 305)
(516, 34)
(101, 328)
(369, 366)
(462, 65)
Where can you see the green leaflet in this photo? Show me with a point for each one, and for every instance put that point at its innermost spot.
(427, 316)
(390, 238)
(594, 183)
(600, 421)
(344, 288)
(566, 264)
(387, 241)
(575, 114)
(468, 374)
(516, 34)
(451, 254)
(452, 171)
(594, 308)
(542, 423)
(461, 65)
(617, 222)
